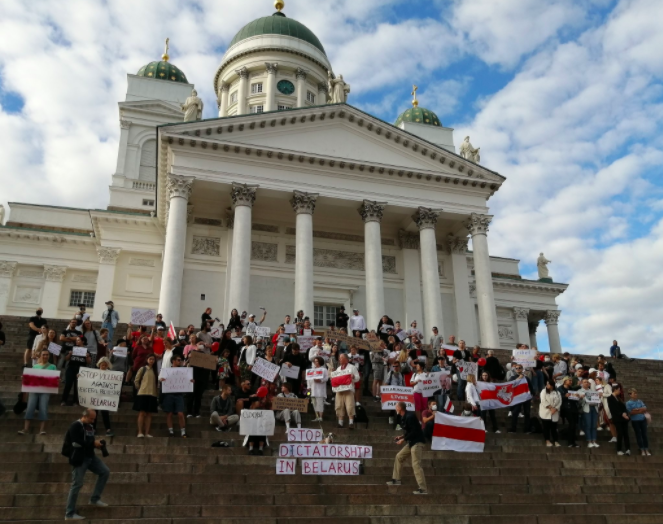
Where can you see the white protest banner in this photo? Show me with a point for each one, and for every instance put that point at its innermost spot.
(120, 351)
(432, 382)
(285, 466)
(40, 381)
(338, 451)
(402, 335)
(143, 317)
(290, 329)
(592, 398)
(306, 342)
(262, 331)
(54, 349)
(341, 380)
(306, 332)
(216, 331)
(265, 369)
(79, 351)
(385, 328)
(525, 357)
(315, 373)
(466, 368)
(392, 395)
(178, 380)
(573, 395)
(256, 422)
(99, 389)
(289, 372)
(330, 467)
(305, 435)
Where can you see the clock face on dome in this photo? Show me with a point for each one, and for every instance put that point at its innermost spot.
(286, 87)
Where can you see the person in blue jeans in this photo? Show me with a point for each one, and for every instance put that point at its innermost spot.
(636, 409)
(590, 415)
(82, 458)
(38, 400)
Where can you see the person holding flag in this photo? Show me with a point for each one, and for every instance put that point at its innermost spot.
(342, 381)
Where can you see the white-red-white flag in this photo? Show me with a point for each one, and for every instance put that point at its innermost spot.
(464, 434)
(494, 396)
(40, 381)
(172, 335)
(448, 406)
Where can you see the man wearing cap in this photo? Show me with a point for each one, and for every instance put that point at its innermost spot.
(159, 321)
(110, 318)
(342, 318)
(413, 331)
(357, 322)
(251, 325)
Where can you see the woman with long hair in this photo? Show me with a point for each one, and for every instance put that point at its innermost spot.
(146, 402)
(200, 378)
(51, 338)
(235, 322)
(551, 403)
(104, 364)
(621, 419)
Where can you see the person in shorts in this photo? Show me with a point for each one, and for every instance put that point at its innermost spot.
(173, 403)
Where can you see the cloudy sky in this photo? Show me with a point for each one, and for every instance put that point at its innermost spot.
(563, 96)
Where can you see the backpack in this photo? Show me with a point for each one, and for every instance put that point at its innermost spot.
(66, 445)
(360, 415)
(20, 405)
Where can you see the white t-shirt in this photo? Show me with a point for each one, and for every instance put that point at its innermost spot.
(418, 378)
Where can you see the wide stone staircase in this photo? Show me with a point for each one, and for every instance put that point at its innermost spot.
(517, 480)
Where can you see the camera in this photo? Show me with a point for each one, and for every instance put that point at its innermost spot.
(104, 449)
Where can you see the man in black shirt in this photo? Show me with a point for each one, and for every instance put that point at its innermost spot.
(414, 449)
(82, 444)
(34, 326)
(342, 319)
(296, 358)
(68, 341)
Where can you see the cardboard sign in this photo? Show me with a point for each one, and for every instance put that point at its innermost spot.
(290, 372)
(262, 331)
(256, 422)
(341, 380)
(432, 382)
(99, 389)
(79, 351)
(342, 451)
(143, 317)
(315, 373)
(290, 329)
(466, 368)
(306, 342)
(285, 466)
(525, 357)
(330, 467)
(40, 381)
(54, 349)
(295, 404)
(592, 398)
(573, 395)
(178, 380)
(120, 351)
(198, 359)
(305, 435)
(352, 341)
(392, 395)
(265, 369)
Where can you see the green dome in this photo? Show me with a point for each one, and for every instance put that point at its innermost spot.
(418, 115)
(277, 24)
(163, 71)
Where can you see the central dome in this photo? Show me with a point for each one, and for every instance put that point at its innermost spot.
(418, 115)
(277, 24)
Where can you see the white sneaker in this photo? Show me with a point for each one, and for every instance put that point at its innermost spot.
(582, 433)
(498, 431)
(596, 445)
(357, 404)
(612, 440)
(140, 435)
(327, 403)
(642, 452)
(627, 453)
(75, 516)
(599, 429)
(521, 415)
(558, 445)
(510, 414)
(620, 453)
(189, 416)
(99, 503)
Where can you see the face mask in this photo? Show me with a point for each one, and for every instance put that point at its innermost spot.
(293, 340)
(434, 408)
(182, 337)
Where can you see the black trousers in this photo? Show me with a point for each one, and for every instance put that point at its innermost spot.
(104, 415)
(572, 419)
(549, 430)
(622, 434)
(493, 420)
(515, 411)
(70, 380)
(200, 381)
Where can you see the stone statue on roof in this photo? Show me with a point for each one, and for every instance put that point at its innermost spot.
(468, 152)
(338, 89)
(193, 107)
(542, 265)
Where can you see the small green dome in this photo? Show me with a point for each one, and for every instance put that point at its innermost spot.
(277, 24)
(163, 71)
(418, 115)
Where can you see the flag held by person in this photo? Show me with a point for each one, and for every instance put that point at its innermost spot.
(448, 406)
(495, 396)
(464, 434)
(172, 334)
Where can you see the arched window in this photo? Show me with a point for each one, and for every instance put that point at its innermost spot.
(148, 166)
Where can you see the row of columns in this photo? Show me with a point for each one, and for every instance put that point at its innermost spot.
(269, 90)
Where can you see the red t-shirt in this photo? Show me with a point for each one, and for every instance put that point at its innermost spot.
(158, 346)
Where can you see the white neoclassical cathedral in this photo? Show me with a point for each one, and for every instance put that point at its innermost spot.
(291, 199)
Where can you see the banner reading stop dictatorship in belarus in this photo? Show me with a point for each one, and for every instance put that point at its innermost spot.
(392, 395)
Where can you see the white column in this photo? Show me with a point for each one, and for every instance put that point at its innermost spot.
(532, 334)
(242, 91)
(465, 326)
(243, 198)
(322, 94)
(105, 278)
(223, 100)
(178, 189)
(412, 277)
(50, 300)
(230, 220)
(7, 270)
(304, 205)
(426, 220)
(552, 319)
(271, 86)
(125, 125)
(478, 228)
(301, 75)
(522, 326)
(371, 213)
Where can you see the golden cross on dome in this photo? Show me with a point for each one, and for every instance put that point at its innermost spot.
(165, 56)
(415, 102)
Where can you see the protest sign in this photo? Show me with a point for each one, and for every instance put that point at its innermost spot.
(306, 332)
(573, 395)
(198, 359)
(315, 373)
(402, 335)
(265, 369)
(289, 372)
(432, 382)
(525, 357)
(262, 331)
(256, 422)
(40, 381)
(285, 466)
(290, 329)
(466, 368)
(305, 435)
(216, 332)
(178, 380)
(79, 351)
(306, 342)
(143, 317)
(292, 403)
(392, 395)
(54, 349)
(352, 341)
(342, 451)
(330, 467)
(592, 397)
(385, 328)
(120, 351)
(99, 389)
